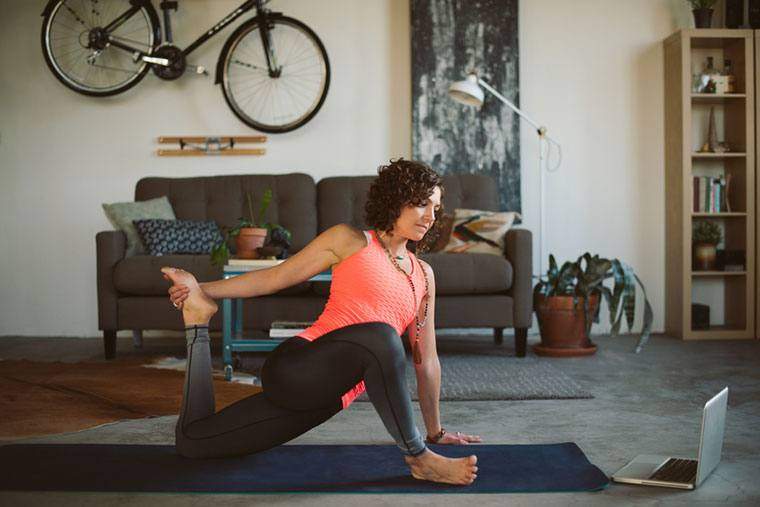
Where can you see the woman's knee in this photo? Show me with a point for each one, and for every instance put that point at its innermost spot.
(386, 344)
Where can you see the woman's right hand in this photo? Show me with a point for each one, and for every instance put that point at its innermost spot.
(177, 294)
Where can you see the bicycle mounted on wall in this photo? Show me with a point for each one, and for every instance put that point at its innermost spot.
(273, 69)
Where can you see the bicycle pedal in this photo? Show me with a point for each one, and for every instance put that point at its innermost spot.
(198, 69)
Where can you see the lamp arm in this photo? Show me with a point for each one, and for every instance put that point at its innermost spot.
(541, 130)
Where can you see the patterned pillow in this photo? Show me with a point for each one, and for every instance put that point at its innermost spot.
(162, 237)
(121, 215)
(477, 231)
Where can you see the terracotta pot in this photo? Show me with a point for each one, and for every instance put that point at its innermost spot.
(563, 331)
(249, 239)
(705, 255)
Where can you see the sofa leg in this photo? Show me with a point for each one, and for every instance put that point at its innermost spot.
(498, 335)
(109, 343)
(521, 341)
(137, 338)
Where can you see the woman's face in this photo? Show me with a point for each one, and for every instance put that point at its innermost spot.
(415, 221)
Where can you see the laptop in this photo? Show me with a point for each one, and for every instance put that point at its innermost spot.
(679, 472)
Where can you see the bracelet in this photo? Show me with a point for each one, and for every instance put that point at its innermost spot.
(435, 439)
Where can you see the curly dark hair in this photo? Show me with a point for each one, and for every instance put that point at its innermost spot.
(398, 184)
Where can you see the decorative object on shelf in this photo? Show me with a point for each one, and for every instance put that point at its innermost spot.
(712, 132)
(195, 145)
(705, 236)
(734, 13)
(705, 80)
(731, 260)
(725, 81)
(703, 11)
(753, 13)
(468, 92)
(559, 299)
(700, 316)
(250, 233)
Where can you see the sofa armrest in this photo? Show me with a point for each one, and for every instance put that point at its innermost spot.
(110, 246)
(518, 245)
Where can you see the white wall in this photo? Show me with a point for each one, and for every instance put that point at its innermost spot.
(591, 70)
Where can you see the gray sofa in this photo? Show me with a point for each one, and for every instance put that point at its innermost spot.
(473, 290)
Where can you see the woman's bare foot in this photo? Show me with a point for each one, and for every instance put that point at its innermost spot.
(198, 308)
(430, 466)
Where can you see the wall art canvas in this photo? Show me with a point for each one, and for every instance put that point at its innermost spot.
(450, 38)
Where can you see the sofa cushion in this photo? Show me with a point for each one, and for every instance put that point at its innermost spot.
(141, 275)
(164, 237)
(121, 215)
(469, 273)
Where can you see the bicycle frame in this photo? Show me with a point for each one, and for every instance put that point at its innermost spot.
(262, 16)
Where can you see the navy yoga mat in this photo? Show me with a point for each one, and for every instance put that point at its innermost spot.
(289, 468)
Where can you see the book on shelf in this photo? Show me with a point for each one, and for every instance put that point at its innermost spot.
(264, 263)
(710, 194)
(287, 328)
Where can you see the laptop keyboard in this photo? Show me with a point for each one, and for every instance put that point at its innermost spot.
(677, 470)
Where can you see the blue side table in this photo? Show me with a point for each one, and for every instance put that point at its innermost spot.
(232, 321)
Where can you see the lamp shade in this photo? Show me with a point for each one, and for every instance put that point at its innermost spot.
(467, 92)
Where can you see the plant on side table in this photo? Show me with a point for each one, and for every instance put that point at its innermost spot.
(705, 236)
(559, 299)
(250, 234)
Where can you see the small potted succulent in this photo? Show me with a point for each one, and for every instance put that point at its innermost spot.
(250, 234)
(567, 303)
(705, 237)
(703, 11)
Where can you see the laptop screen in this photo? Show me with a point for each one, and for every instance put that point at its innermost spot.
(711, 438)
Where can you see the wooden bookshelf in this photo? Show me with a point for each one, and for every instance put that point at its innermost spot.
(729, 294)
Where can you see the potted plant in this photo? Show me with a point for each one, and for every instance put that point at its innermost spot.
(250, 233)
(702, 10)
(567, 303)
(705, 237)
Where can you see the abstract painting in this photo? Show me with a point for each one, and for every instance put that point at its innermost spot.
(449, 39)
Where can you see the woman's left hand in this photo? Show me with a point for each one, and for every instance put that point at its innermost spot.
(458, 438)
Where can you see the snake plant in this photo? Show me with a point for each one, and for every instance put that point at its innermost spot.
(573, 279)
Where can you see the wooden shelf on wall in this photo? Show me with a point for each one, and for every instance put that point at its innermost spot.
(729, 294)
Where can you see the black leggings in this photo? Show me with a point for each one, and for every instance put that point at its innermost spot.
(303, 382)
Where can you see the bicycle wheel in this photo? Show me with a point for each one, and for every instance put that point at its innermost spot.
(284, 102)
(78, 53)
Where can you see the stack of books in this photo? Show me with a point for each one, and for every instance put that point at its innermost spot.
(287, 328)
(711, 194)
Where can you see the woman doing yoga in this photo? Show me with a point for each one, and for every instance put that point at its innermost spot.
(378, 290)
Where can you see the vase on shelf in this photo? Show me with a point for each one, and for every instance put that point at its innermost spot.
(705, 255)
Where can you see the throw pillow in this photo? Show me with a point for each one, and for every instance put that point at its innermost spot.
(121, 215)
(477, 231)
(163, 237)
(431, 243)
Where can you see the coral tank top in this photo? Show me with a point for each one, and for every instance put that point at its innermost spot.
(367, 287)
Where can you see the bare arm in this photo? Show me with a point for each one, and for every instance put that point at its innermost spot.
(429, 370)
(321, 253)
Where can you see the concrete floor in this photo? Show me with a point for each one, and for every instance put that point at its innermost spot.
(645, 403)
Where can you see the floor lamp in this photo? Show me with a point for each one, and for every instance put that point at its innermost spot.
(469, 92)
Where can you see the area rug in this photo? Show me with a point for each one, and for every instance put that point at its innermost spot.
(43, 398)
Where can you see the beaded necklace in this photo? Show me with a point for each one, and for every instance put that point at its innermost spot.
(416, 355)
